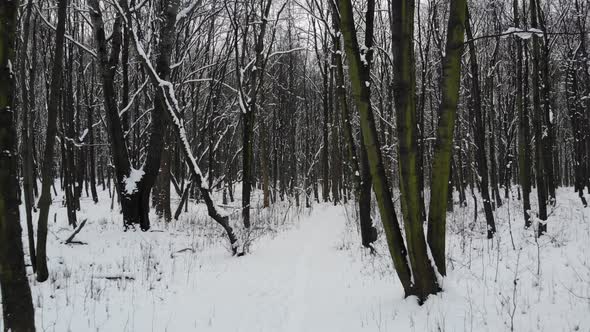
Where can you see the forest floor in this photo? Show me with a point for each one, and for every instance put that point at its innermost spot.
(306, 271)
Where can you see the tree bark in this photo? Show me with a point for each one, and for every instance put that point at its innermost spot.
(361, 93)
(165, 92)
(523, 125)
(47, 168)
(443, 150)
(27, 105)
(361, 174)
(135, 202)
(405, 102)
(479, 132)
(17, 304)
(538, 127)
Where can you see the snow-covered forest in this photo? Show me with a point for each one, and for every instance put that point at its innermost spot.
(294, 165)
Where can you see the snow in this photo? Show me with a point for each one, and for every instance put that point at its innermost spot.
(364, 59)
(308, 272)
(131, 181)
(522, 34)
(83, 136)
(9, 66)
(511, 30)
(185, 11)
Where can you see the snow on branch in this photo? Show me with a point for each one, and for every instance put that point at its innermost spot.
(286, 51)
(68, 37)
(186, 11)
(173, 110)
(522, 34)
(124, 110)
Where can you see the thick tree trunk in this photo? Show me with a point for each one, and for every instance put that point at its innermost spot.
(361, 93)
(425, 281)
(161, 193)
(17, 304)
(576, 118)
(443, 150)
(133, 185)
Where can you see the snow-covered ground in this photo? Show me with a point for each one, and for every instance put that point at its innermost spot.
(306, 271)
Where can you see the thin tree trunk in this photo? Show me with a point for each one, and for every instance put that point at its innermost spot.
(538, 127)
(549, 137)
(479, 133)
(47, 168)
(27, 131)
(264, 164)
(523, 124)
(91, 153)
(361, 175)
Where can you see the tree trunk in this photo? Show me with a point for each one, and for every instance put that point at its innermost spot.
(538, 127)
(405, 102)
(264, 165)
(479, 133)
(27, 105)
(549, 137)
(361, 93)
(165, 94)
(162, 186)
(133, 185)
(576, 116)
(361, 175)
(17, 304)
(443, 150)
(523, 124)
(47, 168)
(91, 153)
(325, 135)
(247, 147)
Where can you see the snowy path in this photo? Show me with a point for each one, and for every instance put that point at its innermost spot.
(299, 281)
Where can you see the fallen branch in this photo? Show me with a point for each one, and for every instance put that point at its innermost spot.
(70, 240)
(115, 277)
(174, 254)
